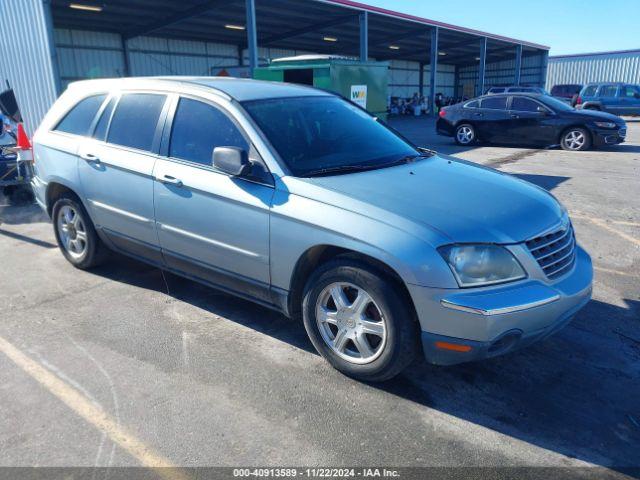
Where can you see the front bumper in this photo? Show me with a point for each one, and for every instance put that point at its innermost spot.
(603, 137)
(465, 325)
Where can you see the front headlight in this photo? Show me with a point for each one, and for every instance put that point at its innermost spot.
(477, 265)
(605, 124)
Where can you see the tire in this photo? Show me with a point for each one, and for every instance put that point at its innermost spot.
(391, 340)
(465, 135)
(70, 220)
(575, 139)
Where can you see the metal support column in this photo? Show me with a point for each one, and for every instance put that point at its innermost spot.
(252, 35)
(456, 83)
(364, 36)
(543, 68)
(482, 65)
(53, 54)
(126, 56)
(518, 64)
(433, 70)
(421, 80)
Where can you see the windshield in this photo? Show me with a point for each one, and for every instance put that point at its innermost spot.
(326, 133)
(557, 104)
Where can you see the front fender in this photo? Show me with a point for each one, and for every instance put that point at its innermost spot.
(299, 223)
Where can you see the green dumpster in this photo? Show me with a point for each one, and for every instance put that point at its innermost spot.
(364, 83)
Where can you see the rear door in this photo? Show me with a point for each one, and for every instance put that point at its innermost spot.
(116, 169)
(629, 100)
(493, 118)
(211, 225)
(608, 96)
(531, 122)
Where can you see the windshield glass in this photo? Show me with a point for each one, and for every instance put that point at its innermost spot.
(557, 104)
(325, 132)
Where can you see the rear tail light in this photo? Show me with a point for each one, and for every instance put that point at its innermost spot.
(442, 113)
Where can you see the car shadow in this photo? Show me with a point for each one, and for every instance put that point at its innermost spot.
(621, 148)
(575, 393)
(548, 182)
(18, 215)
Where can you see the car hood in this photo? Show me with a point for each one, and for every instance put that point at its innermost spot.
(596, 116)
(462, 202)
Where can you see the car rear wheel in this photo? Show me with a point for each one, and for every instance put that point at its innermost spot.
(358, 322)
(575, 140)
(465, 134)
(76, 235)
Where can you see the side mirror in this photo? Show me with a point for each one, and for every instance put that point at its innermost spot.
(232, 161)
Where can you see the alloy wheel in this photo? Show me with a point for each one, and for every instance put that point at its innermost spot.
(72, 231)
(351, 323)
(465, 134)
(575, 140)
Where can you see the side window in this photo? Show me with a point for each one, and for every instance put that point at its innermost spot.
(78, 120)
(494, 103)
(522, 104)
(608, 91)
(474, 104)
(497, 90)
(101, 128)
(629, 91)
(590, 91)
(198, 128)
(135, 119)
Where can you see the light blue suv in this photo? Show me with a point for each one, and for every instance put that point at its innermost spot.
(299, 200)
(616, 98)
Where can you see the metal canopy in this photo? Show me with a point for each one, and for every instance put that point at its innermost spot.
(295, 25)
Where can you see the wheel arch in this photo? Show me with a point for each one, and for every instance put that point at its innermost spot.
(55, 190)
(318, 255)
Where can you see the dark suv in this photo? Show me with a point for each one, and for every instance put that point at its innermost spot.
(616, 98)
(567, 92)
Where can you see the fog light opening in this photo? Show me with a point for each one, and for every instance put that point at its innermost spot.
(504, 343)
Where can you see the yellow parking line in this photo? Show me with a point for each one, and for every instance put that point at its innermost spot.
(616, 272)
(603, 224)
(82, 406)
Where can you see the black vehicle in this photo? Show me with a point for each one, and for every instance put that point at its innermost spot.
(529, 119)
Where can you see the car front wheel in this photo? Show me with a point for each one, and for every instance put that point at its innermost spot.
(465, 134)
(575, 140)
(358, 322)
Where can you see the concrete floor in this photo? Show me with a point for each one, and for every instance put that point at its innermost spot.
(126, 366)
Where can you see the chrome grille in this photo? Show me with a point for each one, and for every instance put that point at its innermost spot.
(554, 251)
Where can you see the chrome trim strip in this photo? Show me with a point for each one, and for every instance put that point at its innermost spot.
(124, 213)
(195, 236)
(497, 311)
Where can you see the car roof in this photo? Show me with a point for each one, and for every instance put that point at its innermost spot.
(239, 89)
(511, 94)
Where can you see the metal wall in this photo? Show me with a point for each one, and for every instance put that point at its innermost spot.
(599, 67)
(26, 57)
(404, 79)
(503, 73)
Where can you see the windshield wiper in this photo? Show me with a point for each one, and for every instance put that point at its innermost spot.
(361, 168)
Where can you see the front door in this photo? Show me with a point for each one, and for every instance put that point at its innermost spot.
(629, 100)
(116, 167)
(210, 225)
(531, 123)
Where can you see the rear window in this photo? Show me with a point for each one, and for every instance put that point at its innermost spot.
(135, 119)
(495, 103)
(79, 119)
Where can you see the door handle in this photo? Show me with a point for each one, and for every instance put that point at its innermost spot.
(478, 115)
(90, 157)
(169, 180)
(515, 116)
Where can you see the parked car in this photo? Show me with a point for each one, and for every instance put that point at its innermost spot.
(302, 202)
(567, 92)
(516, 89)
(527, 119)
(616, 98)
